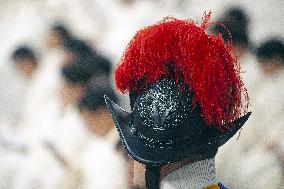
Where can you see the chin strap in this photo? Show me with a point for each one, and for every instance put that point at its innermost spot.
(152, 177)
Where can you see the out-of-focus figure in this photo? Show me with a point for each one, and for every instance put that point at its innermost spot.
(47, 80)
(234, 27)
(15, 79)
(96, 115)
(102, 73)
(73, 85)
(100, 160)
(26, 65)
(75, 49)
(254, 157)
(238, 162)
(14, 94)
(26, 61)
(58, 35)
(57, 136)
(56, 38)
(268, 125)
(270, 55)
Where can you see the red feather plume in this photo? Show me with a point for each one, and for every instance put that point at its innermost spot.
(203, 61)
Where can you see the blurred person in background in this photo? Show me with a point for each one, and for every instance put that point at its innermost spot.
(102, 73)
(270, 55)
(26, 61)
(14, 94)
(242, 155)
(57, 135)
(255, 157)
(74, 80)
(75, 49)
(96, 115)
(233, 25)
(53, 53)
(236, 30)
(100, 161)
(58, 35)
(25, 162)
(48, 78)
(63, 116)
(99, 67)
(15, 80)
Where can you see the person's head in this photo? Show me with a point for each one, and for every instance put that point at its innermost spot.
(94, 112)
(102, 71)
(58, 34)
(26, 60)
(186, 94)
(75, 78)
(236, 22)
(270, 55)
(77, 49)
(103, 65)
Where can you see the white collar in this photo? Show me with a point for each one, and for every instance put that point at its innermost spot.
(192, 176)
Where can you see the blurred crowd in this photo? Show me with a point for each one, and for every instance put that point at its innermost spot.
(56, 132)
(254, 157)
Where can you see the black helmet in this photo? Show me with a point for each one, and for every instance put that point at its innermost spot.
(164, 127)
